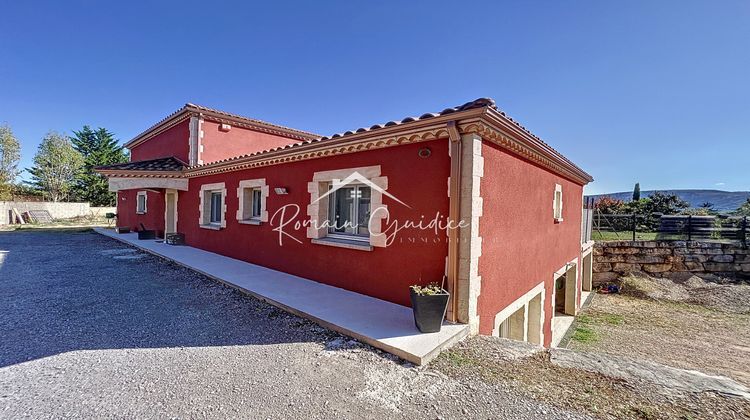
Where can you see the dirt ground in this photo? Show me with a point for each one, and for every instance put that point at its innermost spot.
(485, 360)
(688, 322)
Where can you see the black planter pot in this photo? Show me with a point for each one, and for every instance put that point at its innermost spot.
(429, 310)
(146, 234)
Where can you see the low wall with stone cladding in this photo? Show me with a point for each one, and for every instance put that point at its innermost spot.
(662, 258)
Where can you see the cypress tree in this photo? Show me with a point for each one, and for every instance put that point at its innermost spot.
(637, 191)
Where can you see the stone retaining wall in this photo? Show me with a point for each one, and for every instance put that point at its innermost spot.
(658, 258)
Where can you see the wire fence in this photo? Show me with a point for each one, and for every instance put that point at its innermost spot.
(638, 227)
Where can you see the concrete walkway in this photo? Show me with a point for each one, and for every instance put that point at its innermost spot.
(381, 324)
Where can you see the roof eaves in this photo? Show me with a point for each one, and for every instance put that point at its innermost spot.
(190, 109)
(462, 112)
(252, 121)
(537, 142)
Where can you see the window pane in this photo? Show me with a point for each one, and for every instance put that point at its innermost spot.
(342, 215)
(363, 211)
(215, 207)
(256, 203)
(247, 203)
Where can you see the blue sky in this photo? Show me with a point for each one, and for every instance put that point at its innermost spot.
(650, 91)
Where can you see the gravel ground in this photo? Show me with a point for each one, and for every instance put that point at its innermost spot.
(92, 328)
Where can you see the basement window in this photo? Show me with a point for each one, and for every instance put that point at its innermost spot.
(557, 205)
(140, 202)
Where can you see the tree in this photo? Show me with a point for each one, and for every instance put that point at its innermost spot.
(637, 191)
(10, 154)
(708, 208)
(56, 165)
(97, 147)
(743, 210)
(664, 203)
(609, 205)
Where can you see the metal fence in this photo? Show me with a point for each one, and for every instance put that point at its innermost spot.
(624, 227)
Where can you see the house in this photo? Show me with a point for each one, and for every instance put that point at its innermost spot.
(467, 195)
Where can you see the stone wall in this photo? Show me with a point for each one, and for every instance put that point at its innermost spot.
(659, 258)
(56, 210)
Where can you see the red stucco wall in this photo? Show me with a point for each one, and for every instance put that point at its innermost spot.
(153, 219)
(416, 257)
(237, 141)
(172, 142)
(521, 243)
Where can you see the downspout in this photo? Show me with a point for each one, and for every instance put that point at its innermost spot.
(454, 216)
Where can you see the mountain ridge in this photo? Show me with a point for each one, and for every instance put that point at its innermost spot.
(723, 201)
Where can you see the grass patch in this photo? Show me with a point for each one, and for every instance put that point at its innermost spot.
(584, 334)
(622, 236)
(600, 318)
(458, 359)
(613, 319)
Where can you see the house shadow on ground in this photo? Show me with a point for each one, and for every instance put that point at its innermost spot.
(67, 291)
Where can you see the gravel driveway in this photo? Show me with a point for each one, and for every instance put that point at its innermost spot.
(93, 328)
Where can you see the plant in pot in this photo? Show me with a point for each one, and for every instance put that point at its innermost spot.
(429, 304)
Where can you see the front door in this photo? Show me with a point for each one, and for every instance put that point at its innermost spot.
(170, 213)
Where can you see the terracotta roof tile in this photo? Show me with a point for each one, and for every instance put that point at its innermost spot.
(477, 103)
(163, 164)
(250, 120)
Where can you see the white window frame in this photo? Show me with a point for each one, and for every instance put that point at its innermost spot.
(318, 208)
(248, 186)
(138, 196)
(206, 192)
(557, 204)
(348, 236)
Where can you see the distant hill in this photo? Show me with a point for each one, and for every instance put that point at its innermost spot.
(723, 201)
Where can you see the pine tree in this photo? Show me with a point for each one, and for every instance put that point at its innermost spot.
(98, 147)
(637, 191)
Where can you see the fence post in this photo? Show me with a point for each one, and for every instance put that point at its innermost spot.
(634, 227)
(743, 232)
(690, 227)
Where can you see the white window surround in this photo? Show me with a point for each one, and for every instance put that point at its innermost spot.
(523, 302)
(557, 204)
(140, 194)
(317, 210)
(570, 272)
(246, 186)
(205, 206)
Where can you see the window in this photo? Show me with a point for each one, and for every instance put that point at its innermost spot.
(352, 214)
(255, 213)
(252, 194)
(558, 203)
(140, 205)
(251, 208)
(349, 212)
(215, 217)
(212, 206)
